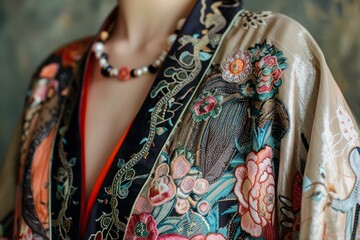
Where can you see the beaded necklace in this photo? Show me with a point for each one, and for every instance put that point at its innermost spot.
(124, 73)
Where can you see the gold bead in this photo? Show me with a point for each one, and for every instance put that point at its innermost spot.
(104, 35)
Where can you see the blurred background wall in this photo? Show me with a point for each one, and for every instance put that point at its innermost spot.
(31, 29)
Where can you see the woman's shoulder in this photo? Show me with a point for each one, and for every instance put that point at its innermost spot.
(68, 54)
(53, 74)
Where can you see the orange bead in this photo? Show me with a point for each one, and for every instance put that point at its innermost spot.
(124, 73)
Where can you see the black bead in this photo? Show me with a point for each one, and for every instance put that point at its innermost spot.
(105, 71)
(104, 55)
(152, 69)
(132, 73)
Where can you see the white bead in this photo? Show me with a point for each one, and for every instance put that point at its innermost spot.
(115, 72)
(98, 48)
(138, 72)
(171, 39)
(162, 58)
(164, 53)
(144, 69)
(103, 62)
(157, 63)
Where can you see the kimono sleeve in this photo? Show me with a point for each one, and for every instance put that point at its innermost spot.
(13, 164)
(320, 155)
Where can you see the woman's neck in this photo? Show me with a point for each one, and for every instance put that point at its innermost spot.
(144, 22)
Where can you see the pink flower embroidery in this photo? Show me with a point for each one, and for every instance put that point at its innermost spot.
(172, 236)
(237, 67)
(162, 187)
(177, 181)
(179, 167)
(143, 205)
(255, 190)
(211, 236)
(205, 105)
(186, 185)
(208, 104)
(45, 89)
(47, 86)
(268, 74)
(141, 226)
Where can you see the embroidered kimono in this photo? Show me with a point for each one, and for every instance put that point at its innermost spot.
(243, 135)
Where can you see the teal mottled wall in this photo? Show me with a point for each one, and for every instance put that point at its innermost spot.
(30, 30)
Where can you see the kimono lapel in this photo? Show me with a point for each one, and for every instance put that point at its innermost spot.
(175, 85)
(67, 192)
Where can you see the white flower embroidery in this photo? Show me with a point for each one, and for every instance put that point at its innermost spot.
(346, 124)
(251, 19)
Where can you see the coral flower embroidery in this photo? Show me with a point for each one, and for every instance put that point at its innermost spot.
(268, 74)
(208, 104)
(255, 190)
(237, 67)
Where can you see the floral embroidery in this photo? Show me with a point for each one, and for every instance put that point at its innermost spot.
(346, 124)
(25, 232)
(162, 187)
(208, 104)
(47, 85)
(251, 19)
(184, 180)
(189, 182)
(141, 226)
(255, 190)
(264, 62)
(211, 236)
(247, 89)
(143, 205)
(44, 90)
(237, 67)
(268, 66)
(268, 74)
(262, 49)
